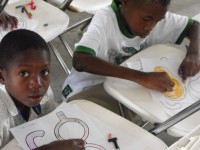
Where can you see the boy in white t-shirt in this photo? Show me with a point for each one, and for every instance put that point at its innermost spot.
(25, 93)
(120, 31)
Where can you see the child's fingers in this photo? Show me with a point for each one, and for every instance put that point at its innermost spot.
(80, 144)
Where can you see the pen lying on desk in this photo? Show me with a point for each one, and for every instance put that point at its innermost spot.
(28, 13)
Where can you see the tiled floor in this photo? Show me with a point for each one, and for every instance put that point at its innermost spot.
(184, 7)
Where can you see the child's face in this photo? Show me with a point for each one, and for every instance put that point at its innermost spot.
(27, 77)
(141, 19)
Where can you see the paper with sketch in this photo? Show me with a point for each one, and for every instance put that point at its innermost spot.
(183, 95)
(23, 23)
(69, 121)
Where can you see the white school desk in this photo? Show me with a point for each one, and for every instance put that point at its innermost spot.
(150, 141)
(138, 98)
(45, 13)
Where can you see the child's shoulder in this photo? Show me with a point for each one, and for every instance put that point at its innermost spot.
(6, 103)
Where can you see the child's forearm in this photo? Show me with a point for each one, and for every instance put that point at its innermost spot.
(87, 63)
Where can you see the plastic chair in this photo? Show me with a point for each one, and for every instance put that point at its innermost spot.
(48, 27)
(2, 5)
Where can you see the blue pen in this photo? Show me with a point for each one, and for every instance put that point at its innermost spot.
(180, 71)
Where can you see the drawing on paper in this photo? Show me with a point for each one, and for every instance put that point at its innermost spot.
(30, 138)
(63, 120)
(178, 89)
(22, 24)
(192, 87)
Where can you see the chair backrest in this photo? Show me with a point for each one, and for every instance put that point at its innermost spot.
(2, 5)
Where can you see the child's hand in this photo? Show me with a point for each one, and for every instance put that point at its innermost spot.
(159, 81)
(73, 144)
(6, 20)
(190, 65)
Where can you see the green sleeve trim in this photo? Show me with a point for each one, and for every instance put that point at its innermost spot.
(85, 50)
(185, 31)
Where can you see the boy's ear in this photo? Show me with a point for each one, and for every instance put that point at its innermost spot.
(2, 73)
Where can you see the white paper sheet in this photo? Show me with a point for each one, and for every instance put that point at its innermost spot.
(68, 121)
(23, 23)
(12, 1)
(191, 89)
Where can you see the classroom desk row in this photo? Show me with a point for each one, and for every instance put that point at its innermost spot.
(150, 141)
(147, 140)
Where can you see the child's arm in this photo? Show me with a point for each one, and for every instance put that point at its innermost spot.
(87, 63)
(73, 144)
(191, 64)
(6, 19)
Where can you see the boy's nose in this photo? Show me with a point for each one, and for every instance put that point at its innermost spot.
(149, 26)
(36, 83)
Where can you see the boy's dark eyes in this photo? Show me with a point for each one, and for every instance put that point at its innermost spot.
(26, 73)
(147, 19)
(23, 73)
(151, 19)
(45, 72)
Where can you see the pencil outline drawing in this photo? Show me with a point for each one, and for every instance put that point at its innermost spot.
(63, 119)
(30, 138)
(190, 84)
(22, 24)
(178, 92)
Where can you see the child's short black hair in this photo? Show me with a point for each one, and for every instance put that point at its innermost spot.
(19, 41)
(137, 2)
(162, 2)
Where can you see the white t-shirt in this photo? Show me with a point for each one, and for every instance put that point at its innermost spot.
(107, 38)
(10, 117)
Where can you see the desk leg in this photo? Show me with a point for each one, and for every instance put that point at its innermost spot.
(66, 69)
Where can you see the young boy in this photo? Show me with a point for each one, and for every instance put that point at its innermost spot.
(25, 93)
(120, 31)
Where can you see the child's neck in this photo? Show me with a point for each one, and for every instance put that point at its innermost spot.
(124, 20)
(23, 110)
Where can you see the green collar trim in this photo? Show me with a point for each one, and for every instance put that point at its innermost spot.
(122, 27)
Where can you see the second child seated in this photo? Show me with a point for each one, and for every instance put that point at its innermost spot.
(120, 31)
(25, 93)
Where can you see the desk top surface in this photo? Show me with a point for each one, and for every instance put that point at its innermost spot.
(138, 98)
(44, 13)
(117, 122)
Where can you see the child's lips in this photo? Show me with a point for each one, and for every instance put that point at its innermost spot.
(145, 34)
(35, 97)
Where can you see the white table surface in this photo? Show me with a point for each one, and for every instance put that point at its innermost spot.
(186, 139)
(45, 13)
(138, 98)
(89, 6)
(150, 141)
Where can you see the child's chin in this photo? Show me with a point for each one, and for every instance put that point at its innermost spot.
(144, 36)
(35, 101)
